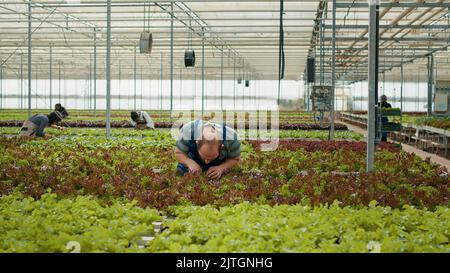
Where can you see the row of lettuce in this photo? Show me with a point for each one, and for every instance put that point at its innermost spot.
(94, 194)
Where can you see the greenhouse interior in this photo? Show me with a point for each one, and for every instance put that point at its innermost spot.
(207, 126)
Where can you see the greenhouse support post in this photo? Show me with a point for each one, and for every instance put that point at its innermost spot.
(135, 79)
(108, 70)
(221, 80)
(95, 73)
(29, 59)
(59, 82)
(1, 87)
(171, 60)
(430, 84)
(21, 81)
(203, 70)
(234, 83)
(373, 72)
(50, 77)
(333, 73)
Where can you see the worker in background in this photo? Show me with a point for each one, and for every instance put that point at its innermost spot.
(207, 147)
(35, 125)
(59, 109)
(384, 104)
(141, 120)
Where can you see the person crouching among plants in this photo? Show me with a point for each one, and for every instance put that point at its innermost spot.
(141, 120)
(35, 125)
(59, 109)
(207, 147)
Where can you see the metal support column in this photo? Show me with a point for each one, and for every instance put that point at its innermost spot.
(29, 59)
(333, 72)
(171, 60)
(430, 84)
(373, 82)
(36, 87)
(50, 77)
(59, 82)
(401, 87)
(135, 78)
(1, 87)
(21, 81)
(181, 87)
(234, 84)
(203, 70)
(90, 82)
(120, 81)
(95, 73)
(221, 81)
(108, 69)
(161, 87)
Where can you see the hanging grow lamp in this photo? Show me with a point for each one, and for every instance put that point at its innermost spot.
(146, 42)
(189, 58)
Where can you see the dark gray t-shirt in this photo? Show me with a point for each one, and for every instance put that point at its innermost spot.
(231, 145)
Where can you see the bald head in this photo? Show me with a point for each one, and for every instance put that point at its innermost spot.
(209, 145)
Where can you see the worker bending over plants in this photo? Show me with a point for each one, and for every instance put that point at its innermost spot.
(141, 120)
(59, 109)
(207, 147)
(35, 125)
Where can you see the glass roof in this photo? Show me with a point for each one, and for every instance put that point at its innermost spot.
(240, 36)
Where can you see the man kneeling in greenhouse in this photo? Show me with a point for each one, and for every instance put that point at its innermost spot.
(208, 147)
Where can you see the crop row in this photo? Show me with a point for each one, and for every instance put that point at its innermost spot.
(85, 224)
(166, 133)
(144, 170)
(127, 124)
(52, 224)
(261, 228)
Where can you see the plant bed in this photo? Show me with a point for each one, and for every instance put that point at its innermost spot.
(126, 124)
(144, 170)
(330, 228)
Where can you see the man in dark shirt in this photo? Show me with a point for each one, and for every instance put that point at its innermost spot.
(35, 125)
(384, 102)
(208, 147)
(384, 120)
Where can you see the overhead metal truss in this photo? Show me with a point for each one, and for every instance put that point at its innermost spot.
(245, 33)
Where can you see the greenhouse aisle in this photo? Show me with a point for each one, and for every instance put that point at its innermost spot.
(407, 148)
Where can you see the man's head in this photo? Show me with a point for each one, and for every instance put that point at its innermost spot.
(53, 118)
(134, 115)
(383, 98)
(209, 145)
(58, 107)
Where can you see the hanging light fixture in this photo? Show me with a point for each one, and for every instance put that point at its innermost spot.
(146, 39)
(189, 54)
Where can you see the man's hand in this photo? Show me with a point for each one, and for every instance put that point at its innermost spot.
(47, 136)
(215, 172)
(194, 168)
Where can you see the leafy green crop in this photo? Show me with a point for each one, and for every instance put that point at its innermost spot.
(261, 228)
(49, 224)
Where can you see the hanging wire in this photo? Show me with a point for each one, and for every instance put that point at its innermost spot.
(148, 17)
(145, 11)
(190, 35)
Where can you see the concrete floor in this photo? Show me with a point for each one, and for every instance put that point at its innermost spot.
(407, 148)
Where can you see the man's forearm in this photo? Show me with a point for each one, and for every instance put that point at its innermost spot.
(230, 163)
(183, 158)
